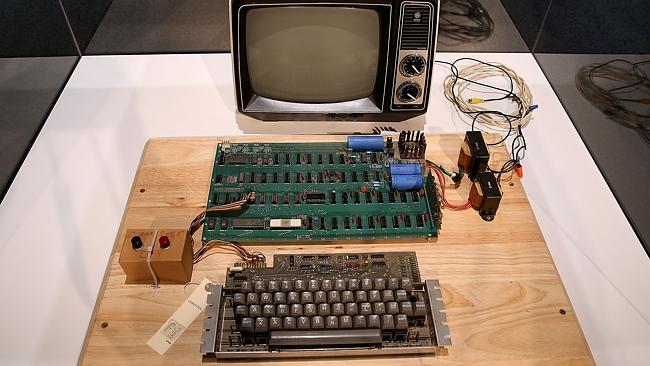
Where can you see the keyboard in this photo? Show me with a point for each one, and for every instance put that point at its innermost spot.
(325, 305)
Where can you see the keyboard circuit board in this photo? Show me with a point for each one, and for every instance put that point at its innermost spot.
(314, 191)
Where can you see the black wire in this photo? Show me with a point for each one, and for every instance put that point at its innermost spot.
(464, 21)
(518, 147)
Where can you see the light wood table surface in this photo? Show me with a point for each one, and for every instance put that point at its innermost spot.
(504, 299)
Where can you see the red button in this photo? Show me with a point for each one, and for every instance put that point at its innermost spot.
(164, 242)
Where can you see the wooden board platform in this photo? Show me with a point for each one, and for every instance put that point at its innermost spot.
(504, 299)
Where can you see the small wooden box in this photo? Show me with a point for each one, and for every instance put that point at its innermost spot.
(171, 257)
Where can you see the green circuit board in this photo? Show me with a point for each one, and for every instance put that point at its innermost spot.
(314, 191)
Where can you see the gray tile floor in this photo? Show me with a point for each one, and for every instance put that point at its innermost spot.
(28, 88)
(153, 26)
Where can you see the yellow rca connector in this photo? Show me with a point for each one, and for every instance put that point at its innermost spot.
(476, 101)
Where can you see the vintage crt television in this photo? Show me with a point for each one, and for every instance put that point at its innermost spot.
(333, 60)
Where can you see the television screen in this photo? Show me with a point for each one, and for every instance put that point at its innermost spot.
(312, 54)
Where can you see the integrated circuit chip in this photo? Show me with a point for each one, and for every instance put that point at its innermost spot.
(237, 159)
(314, 197)
(249, 224)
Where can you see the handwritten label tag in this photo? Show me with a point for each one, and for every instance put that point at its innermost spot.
(180, 320)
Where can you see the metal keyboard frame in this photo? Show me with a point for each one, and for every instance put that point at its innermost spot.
(214, 315)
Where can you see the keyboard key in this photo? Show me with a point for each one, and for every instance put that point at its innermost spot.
(239, 299)
(326, 285)
(359, 321)
(325, 338)
(289, 323)
(247, 325)
(406, 284)
(320, 297)
(401, 322)
(313, 285)
(252, 298)
(310, 310)
(380, 283)
(339, 285)
(273, 286)
(333, 296)
(420, 309)
(373, 321)
(392, 308)
(324, 309)
(275, 323)
(345, 322)
(286, 286)
(365, 308)
(407, 308)
(296, 310)
(306, 297)
(293, 298)
(332, 322)
(347, 296)
(304, 322)
(366, 284)
(300, 285)
(379, 308)
(241, 311)
(338, 309)
(260, 287)
(317, 322)
(387, 296)
(373, 296)
(246, 287)
(400, 295)
(266, 298)
(279, 298)
(282, 310)
(261, 325)
(254, 311)
(353, 284)
(393, 283)
(352, 308)
(361, 296)
(268, 310)
(387, 322)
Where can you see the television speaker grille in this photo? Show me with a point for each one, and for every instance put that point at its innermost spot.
(415, 27)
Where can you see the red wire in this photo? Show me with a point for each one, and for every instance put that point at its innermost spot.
(447, 204)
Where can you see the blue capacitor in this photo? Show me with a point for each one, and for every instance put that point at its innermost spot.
(365, 143)
(405, 169)
(406, 182)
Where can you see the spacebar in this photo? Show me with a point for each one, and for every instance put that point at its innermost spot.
(324, 337)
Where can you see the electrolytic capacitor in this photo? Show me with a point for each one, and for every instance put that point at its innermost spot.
(406, 182)
(405, 169)
(365, 143)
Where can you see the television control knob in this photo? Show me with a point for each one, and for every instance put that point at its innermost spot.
(136, 243)
(412, 65)
(408, 92)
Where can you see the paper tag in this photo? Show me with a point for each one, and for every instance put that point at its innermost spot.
(180, 320)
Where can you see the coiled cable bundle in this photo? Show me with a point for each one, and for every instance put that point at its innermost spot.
(459, 82)
(625, 101)
(464, 21)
